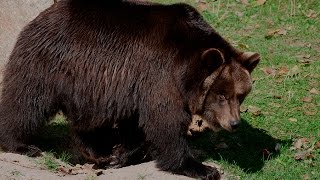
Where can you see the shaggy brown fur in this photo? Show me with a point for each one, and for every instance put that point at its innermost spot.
(123, 73)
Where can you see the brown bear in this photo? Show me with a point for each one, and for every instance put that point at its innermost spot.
(123, 72)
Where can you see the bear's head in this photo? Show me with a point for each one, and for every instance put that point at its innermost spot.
(222, 92)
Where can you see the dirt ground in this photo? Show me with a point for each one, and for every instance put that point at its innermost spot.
(18, 167)
(14, 15)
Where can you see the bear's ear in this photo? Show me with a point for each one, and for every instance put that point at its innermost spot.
(250, 60)
(212, 59)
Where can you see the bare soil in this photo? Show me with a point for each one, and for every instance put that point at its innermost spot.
(16, 167)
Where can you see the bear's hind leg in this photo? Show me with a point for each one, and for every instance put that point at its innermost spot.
(15, 132)
(21, 115)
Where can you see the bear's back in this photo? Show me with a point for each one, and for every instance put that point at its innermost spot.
(102, 58)
(66, 35)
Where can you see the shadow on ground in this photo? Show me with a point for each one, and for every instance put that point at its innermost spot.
(247, 148)
(56, 139)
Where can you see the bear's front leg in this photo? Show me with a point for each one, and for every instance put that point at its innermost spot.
(166, 127)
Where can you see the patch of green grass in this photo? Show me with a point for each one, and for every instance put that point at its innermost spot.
(55, 138)
(49, 161)
(287, 36)
(65, 157)
(16, 173)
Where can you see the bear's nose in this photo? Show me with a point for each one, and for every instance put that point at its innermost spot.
(235, 124)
